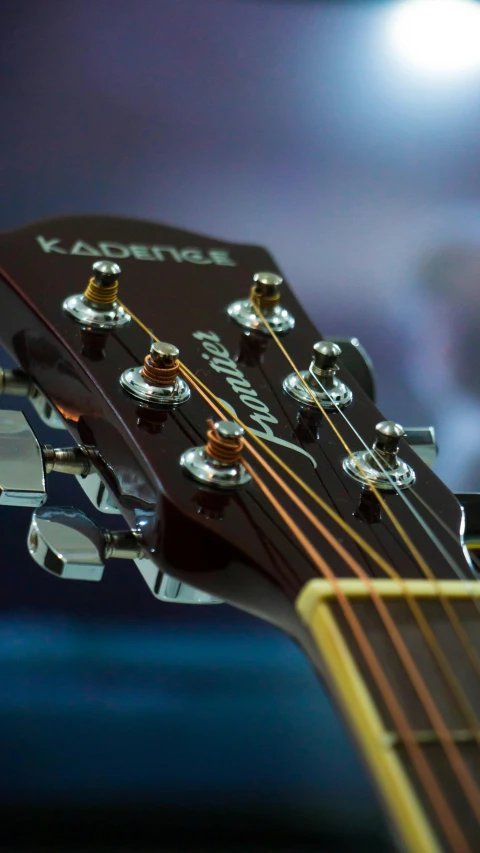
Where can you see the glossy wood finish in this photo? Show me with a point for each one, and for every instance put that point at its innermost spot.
(231, 545)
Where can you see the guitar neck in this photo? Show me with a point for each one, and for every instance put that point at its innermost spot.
(423, 797)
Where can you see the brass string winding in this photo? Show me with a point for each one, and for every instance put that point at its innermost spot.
(445, 816)
(159, 375)
(101, 294)
(261, 300)
(225, 450)
(460, 770)
(420, 560)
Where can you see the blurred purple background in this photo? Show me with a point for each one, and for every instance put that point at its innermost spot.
(296, 126)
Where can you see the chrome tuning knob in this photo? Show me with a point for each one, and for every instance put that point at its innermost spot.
(169, 589)
(70, 545)
(381, 466)
(318, 385)
(265, 294)
(219, 462)
(24, 463)
(18, 384)
(423, 441)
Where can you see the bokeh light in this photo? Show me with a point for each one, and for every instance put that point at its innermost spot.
(438, 38)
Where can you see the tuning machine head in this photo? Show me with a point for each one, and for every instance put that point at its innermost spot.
(98, 307)
(318, 386)
(265, 296)
(167, 588)
(68, 544)
(24, 463)
(158, 381)
(22, 469)
(381, 466)
(18, 384)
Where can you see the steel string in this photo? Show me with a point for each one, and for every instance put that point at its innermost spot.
(454, 621)
(438, 724)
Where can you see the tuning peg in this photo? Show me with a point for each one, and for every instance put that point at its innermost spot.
(218, 463)
(323, 386)
(422, 440)
(97, 306)
(98, 494)
(265, 294)
(70, 545)
(18, 384)
(169, 589)
(381, 466)
(24, 463)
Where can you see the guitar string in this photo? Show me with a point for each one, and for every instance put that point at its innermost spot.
(461, 698)
(470, 546)
(419, 761)
(280, 399)
(447, 606)
(442, 732)
(350, 531)
(451, 561)
(452, 616)
(400, 493)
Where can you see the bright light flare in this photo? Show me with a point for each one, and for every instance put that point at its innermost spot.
(439, 38)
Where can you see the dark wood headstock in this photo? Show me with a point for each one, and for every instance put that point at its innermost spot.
(229, 544)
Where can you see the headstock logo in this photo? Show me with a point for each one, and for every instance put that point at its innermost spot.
(117, 251)
(220, 361)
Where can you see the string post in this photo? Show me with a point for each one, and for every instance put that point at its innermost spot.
(161, 365)
(157, 382)
(265, 290)
(219, 462)
(386, 444)
(381, 467)
(324, 364)
(318, 386)
(263, 309)
(97, 306)
(225, 442)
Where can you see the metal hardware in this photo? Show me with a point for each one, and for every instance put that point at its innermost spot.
(24, 463)
(98, 306)
(218, 462)
(169, 589)
(18, 384)
(158, 382)
(323, 386)
(381, 466)
(266, 293)
(70, 545)
(470, 502)
(357, 361)
(422, 440)
(97, 492)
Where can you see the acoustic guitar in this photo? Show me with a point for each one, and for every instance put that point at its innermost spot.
(251, 465)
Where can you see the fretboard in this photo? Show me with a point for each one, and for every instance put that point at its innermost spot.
(427, 771)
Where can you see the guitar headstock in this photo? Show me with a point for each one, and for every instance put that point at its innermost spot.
(223, 540)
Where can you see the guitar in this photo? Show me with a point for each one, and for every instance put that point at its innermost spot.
(251, 466)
